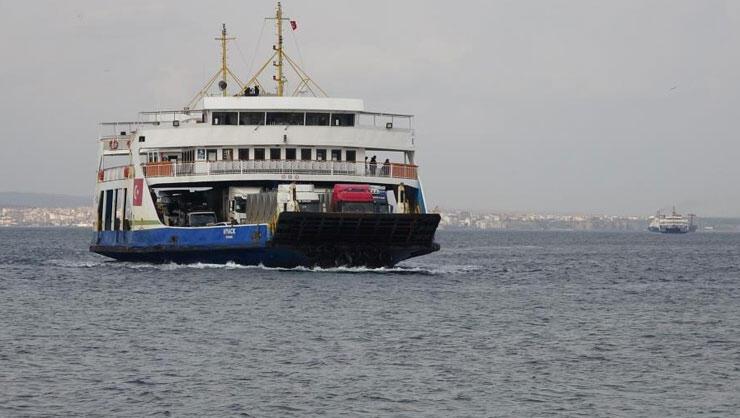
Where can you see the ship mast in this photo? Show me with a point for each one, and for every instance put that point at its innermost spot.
(224, 72)
(224, 66)
(279, 58)
(278, 47)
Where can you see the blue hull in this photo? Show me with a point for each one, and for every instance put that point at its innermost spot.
(242, 244)
(254, 245)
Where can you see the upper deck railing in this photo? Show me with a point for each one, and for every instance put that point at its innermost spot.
(321, 168)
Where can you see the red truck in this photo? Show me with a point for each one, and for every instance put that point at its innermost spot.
(358, 198)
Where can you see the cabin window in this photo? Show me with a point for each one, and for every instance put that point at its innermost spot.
(350, 155)
(285, 118)
(306, 154)
(188, 156)
(225, 118)
(259, 154)
(227, 154)
(243, 153)
(336, 155)
(342, 119)
(290, 154)
(317, 119)
(274, 153)
(321, 155)
(201, 154)
(251, 118)
(212, 155)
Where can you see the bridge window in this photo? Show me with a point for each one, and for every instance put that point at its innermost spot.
(274, 153)
(350, 155)
(225, 118)
(285, 118)
(321, 154)
(342, 119)
(336, 155)
(290, 154)
(251, 118)
(317, 119)
(259, 154)
(243, 153)
(227, 154)
(306, 154)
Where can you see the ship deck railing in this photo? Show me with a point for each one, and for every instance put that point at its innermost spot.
(115, 173)
(302, 167)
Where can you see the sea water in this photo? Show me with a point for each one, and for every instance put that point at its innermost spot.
(495, 324)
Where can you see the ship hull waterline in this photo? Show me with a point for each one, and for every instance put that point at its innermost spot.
(300, 240)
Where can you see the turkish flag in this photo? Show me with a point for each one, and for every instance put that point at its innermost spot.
(138, 191)
(294, 24)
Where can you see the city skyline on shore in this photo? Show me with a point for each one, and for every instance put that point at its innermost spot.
(10, 199)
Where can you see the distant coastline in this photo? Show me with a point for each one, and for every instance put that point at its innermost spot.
(42, 200)
(468, 220)
(55, 210)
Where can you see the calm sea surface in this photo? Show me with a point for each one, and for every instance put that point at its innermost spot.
(496, 324)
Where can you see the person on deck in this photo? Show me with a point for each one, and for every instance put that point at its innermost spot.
(373, 165)
(386, 167)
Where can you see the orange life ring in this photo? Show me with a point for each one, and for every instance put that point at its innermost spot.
(101, 175)
(113, 144)
(126, 172)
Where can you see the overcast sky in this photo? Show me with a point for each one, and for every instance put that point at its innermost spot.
(577, 106)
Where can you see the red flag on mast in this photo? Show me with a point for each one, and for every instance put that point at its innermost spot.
(294, 24)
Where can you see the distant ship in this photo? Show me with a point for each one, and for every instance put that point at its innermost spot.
(262, 177)
(675, 223)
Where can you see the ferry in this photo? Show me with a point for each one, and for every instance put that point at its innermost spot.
(251, 173)
(674, 223)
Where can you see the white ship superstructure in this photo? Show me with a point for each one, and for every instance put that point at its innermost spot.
(260, 177)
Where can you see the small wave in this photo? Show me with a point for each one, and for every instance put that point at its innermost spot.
(451, 269)
(74, 263)
(235, 266)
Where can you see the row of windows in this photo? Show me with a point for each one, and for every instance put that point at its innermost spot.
(277, 154)
(283, 118)
(229, 154)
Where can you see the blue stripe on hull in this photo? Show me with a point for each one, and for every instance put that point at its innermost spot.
(237, 236)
